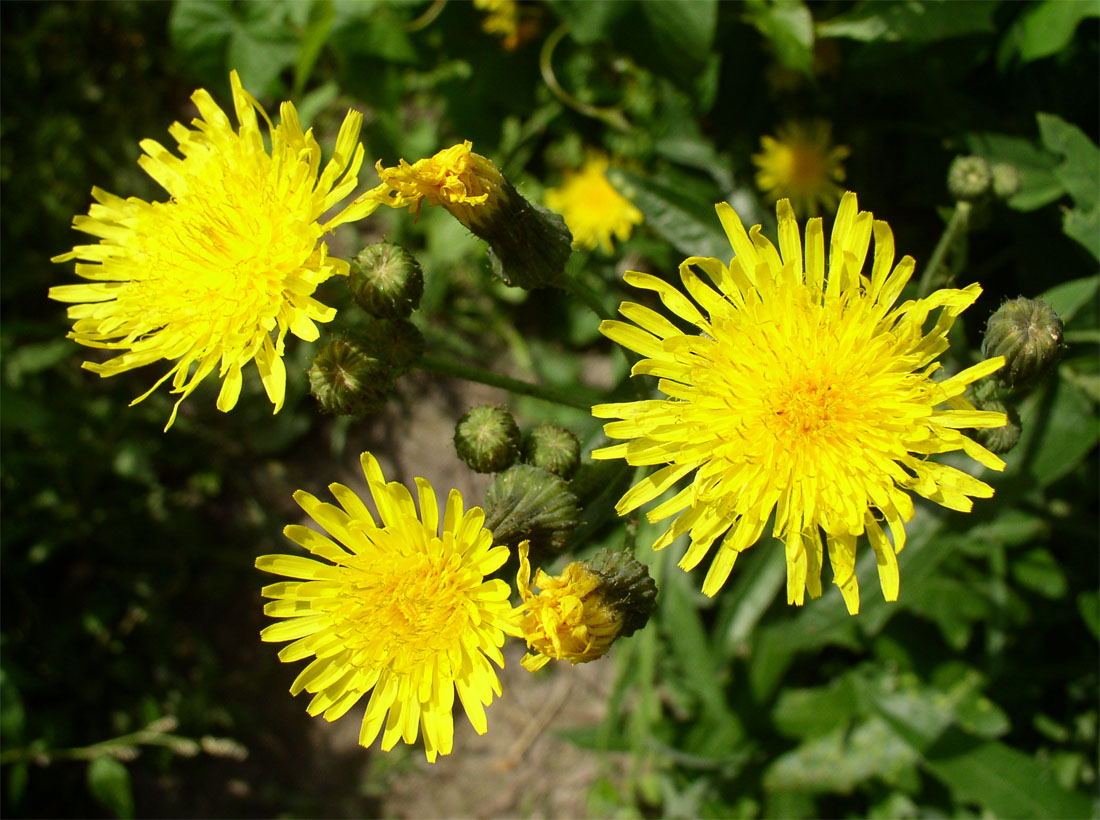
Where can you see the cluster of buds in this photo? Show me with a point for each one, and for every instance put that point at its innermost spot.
(354, 374)
(974, 179)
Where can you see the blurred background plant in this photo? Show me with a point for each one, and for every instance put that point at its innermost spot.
(130, 606)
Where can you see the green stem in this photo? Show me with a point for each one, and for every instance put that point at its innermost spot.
(433, 363)
(611, 116)
(958, 221)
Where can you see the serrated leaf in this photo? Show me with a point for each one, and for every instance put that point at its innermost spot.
(918, 21)
(109, 782)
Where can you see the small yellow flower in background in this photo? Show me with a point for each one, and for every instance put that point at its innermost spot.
(501, 19)
(799, 164)
(231, 258)
(456, 178)
(568, 618)
(804, 395)
(399, 607)
(594, 211)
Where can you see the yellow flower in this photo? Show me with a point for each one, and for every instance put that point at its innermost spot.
(801, 166)
(401, 608)
(501, 18)
(809, 397)
(594, 211)
(461, 181)
(569, 618)
(232, 257)
(528, 246)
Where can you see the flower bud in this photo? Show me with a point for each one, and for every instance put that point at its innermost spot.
(528, 246)
(347, 380)
(1006, 180)
(386, 281)
(1000, 440)
(969, 178)
(577, 615)
(526, 503)
(553, 448)
(397, 342)
(1029, 336)
(487, 439)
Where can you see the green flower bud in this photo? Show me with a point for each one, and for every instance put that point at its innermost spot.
(386, 281)
(969, 178)
(1000, 440)
(347, 380)
(1006, 180)
(487, 439)
(397, 342)
(553, 448)
(1029, 335)
(526, 503)
(626, 588)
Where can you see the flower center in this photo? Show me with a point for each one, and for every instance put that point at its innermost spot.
(408, 608)
(808, 406)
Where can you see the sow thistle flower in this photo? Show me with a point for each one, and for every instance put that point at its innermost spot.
(528, 245)
(800, 396)
(594, 211)
(217, 275)
(399, 608)
(799, 164)
(577, 615)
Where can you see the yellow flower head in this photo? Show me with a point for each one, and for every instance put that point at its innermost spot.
(569, 618)
(801, 166)
(594, 211)
(804, 396)
(217, 275)
(400, 607)
(461, 181)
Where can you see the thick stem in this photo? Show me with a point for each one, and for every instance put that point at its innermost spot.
(434, 363)
(575, 287)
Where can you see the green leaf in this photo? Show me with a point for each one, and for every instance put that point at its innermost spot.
(918, 21)
(681, 34)
(589, 21)
(1037, 570)
(252, 38)
(811, 712)
(1068, 298)
(689, 225)
(997, 777)
(318, 26)
(1079, 172)
(1088, 604)
(1048, 27)
(1084, 227)
(1059, 429)
(109, 781)
(842, 759)
(789, 27)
